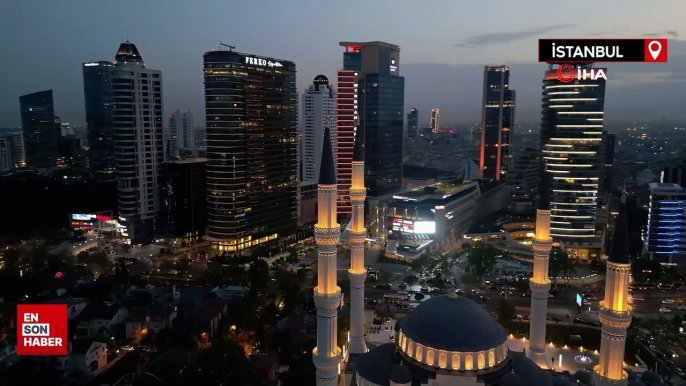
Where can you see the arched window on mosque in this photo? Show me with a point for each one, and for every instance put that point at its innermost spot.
(468, 362)
(429, 357)
(442, 360)
(402, 341)
(482, 361)
(420, 353)
(491, 358)
(409, 350)
(455, 362)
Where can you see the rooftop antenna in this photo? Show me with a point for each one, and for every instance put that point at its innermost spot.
(226, 45)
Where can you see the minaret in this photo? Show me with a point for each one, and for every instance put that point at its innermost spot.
(539, 283)
(615, 312)
(327, 295)
(357, 273)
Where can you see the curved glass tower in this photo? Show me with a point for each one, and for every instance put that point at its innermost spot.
(571, 136)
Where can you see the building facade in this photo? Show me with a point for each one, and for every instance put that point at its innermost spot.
(571, 137)
(319, 109)
(413, 123)
(497, 123)
(97, 91)
(183, 213)
(41, 129)
(181, 132)
(665, 238)
(674, 175)
(251, 111)
(435, 126)
(380, 110)
(523, 180)
(607, 159)
(138, 142)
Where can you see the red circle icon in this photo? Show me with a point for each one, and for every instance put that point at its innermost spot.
(566, 73)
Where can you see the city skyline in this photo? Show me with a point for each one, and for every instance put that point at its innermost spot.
(442, 74)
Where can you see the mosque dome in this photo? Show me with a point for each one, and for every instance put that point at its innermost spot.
(453, 324)
(321, 79)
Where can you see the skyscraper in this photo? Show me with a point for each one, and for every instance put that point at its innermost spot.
(181, 128)
(138, 141)
(666, 234)
(435, 126)
(97, 91)
(319, 109)
(372, 68)
(571, 135)
(6, 162)
(184, 198)
(497, 123)
(413, 123)
(327, 294)
(251, 108)
(41, 129)
(607, 158)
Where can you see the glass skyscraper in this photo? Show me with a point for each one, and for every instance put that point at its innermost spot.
(41, 129)
(97, 91)
(497, 123)
(571, 137)
(251, 108)
(375, 67)
(413, 123)
(666, 234)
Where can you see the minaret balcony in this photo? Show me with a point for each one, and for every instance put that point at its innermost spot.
(358, 194)
(540, 287)
(329, 301)
(327, 236)
(615, 319)
(322, 361)
(357, 237)
(542, 246)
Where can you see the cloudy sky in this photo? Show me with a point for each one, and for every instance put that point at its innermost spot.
(444, 46)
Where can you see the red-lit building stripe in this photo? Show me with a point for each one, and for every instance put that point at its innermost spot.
(346, 138)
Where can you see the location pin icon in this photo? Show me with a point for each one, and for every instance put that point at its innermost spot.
(654, 52)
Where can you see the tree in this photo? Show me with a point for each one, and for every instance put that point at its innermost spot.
(259, 274)
(468, 279)
(225, 363)
(165, 263)
(501, 310)
(421, 263)
(385, 275)
(560, 264)
(292, 255)
(481, 258)
(82, 257)
(410, 279)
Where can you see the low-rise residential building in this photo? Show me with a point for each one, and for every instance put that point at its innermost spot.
(74, 305)
(101, 318)
(142, 321)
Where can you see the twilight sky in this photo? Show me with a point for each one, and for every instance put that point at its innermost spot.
(444, 46)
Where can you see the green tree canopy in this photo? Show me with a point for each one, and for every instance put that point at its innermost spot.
(481, 258)
(410, 279)
(501, 310)
(560, 264)
(385, 275)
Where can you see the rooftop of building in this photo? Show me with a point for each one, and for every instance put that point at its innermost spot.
(153, 313)
(369, 44)
(438, 190)
(663, 186)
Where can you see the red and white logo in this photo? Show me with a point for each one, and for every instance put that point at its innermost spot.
(566, 73)
(42, 329)
(656, 50)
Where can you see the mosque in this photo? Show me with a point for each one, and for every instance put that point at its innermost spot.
(451, 340)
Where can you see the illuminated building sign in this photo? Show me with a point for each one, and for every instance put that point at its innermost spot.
(404, 198)
(262, 62)
(402, 225)
(394, 68)
(103, 218)
(82, 217)
(355, 101)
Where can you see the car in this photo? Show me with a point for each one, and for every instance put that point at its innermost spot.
(639, 299)
(459, 291)
(484, 298)
(402, 286)
(592, 298)
(502, 293)
(672, 342)
(668, 301)
(372, 302)
(526, 294)
(556, 319)
(679, 372)
(665, 310)
(493, 287)
(673, 353)
(127, 348)
(551, 296)
(652, 348)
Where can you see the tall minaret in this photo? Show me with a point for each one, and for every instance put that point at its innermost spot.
(615, 311)
(327, 295)
(539, 283)
(357, 273)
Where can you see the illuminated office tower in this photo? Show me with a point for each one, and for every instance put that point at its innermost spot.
(370, 75)
(435, 126)
(413, 123)
(181, 133)
(497, 123)
(138, 142)
(357, 236)
(251, 110)
(571, 137)
(319, 108)
(615, 312)
(327, 294)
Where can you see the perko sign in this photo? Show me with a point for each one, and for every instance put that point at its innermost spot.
(261, 62)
